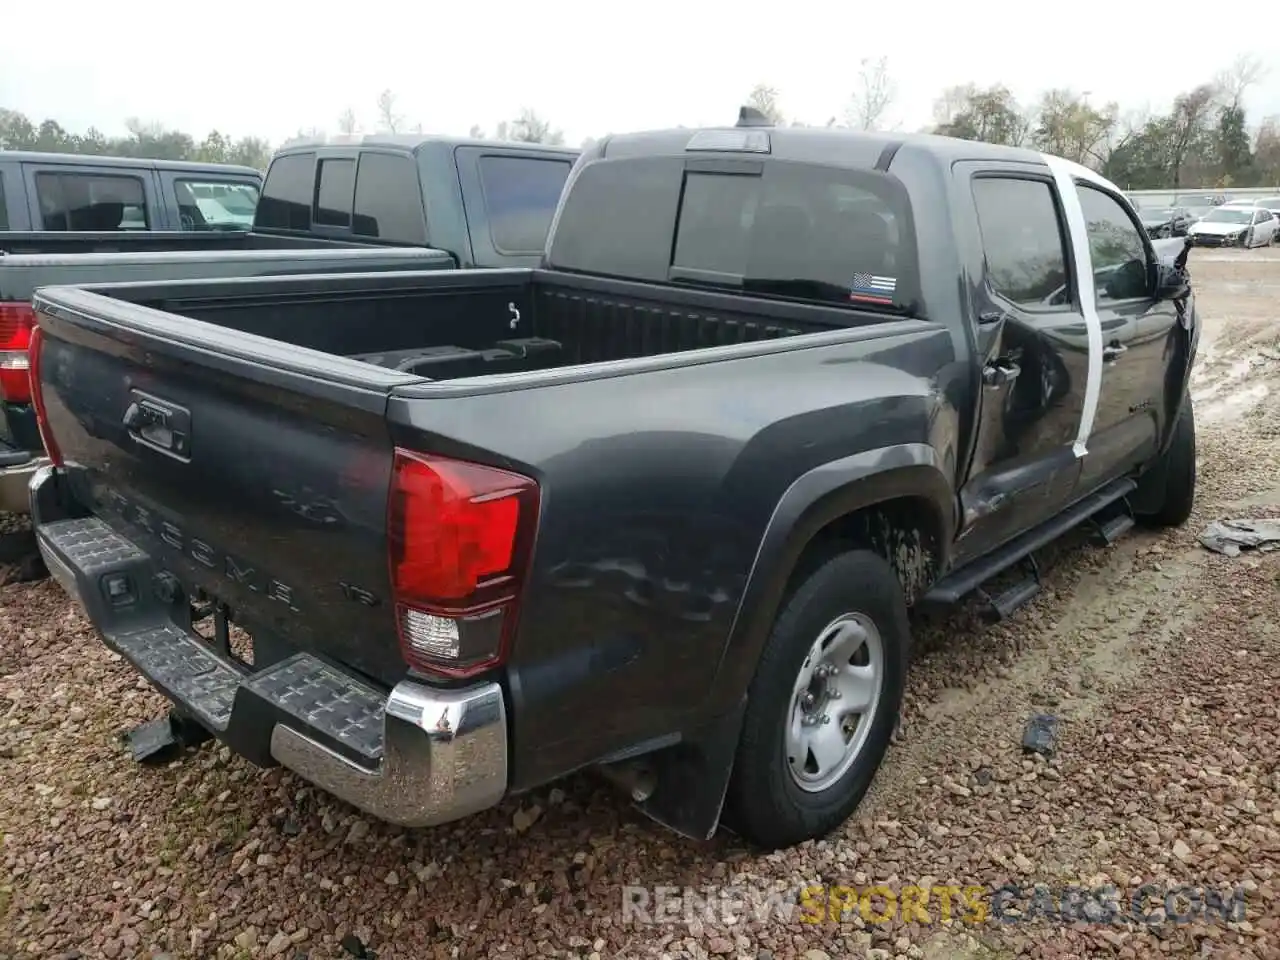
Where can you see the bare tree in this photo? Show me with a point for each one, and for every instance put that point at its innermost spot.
(874, 95)
(311, 134)
(1187, 127)
(387, 117)
(952, 102)
(1266, 151)
(477, 132)
(531, 128)
(347, 122)
(1234, 82)
(765, 99)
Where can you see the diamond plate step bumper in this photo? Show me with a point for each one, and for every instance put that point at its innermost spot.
(415, 755)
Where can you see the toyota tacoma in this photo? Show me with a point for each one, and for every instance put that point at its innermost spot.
(658, 506)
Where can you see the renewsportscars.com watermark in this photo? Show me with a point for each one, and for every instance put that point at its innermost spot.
(969, 904)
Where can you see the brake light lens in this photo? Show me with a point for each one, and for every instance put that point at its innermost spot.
(17, 320)
(36, 392)
(460, 536)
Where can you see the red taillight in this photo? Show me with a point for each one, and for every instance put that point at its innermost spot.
(36, 392)
(17, 320)
(460, 536)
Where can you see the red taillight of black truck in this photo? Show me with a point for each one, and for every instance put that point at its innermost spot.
(460, 537)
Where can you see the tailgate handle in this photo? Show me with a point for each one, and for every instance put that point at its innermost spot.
(159, 424)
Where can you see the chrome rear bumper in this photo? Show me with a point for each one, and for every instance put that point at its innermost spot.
(415, 755)
(15, 485)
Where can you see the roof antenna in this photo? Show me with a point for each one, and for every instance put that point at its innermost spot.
(751, 117)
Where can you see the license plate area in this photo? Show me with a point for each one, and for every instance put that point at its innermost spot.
(211, 620)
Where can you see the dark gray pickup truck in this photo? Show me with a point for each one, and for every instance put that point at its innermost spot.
(325, 207)
(659, 507)
(56, 192)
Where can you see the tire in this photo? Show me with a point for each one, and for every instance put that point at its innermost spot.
(1176, 470)
(851, 593)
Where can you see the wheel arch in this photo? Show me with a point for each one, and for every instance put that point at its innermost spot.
(896, 501)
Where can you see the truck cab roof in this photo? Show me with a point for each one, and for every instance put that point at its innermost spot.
(412, 143)
(828, 146)
(129, 163)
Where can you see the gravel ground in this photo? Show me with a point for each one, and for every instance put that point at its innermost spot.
(1159, 658)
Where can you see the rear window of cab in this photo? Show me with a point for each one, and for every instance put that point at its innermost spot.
(775, 228)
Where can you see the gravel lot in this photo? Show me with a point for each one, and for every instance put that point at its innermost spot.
(1160, 658)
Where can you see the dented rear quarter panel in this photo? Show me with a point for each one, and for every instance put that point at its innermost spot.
(670, 499)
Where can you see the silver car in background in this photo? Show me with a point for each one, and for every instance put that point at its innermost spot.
(1241, 224)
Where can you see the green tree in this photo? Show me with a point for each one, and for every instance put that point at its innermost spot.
(1068, 126)
(1235, 158)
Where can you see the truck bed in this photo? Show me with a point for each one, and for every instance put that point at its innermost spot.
(224, 427)
(453, 325)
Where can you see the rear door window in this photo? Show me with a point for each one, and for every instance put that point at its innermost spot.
(520, 196)
(4, 210)
(388, 200)
(85, 201)
(213, 204)
(287, 193)
(1022, 240)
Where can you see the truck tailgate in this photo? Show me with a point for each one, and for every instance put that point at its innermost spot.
(253, 472)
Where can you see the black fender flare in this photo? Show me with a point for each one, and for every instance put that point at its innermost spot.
(813, 500)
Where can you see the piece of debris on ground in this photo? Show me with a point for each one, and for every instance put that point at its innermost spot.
(1229, 537)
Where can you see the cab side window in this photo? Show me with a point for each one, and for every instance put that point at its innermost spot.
(1023, 241)
(1120, 270)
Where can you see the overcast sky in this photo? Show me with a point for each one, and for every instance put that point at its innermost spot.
(270, 69)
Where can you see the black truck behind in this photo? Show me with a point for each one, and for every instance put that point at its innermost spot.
(325, 208)
(660, 506)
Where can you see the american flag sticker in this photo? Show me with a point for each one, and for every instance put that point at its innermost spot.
(869, 288)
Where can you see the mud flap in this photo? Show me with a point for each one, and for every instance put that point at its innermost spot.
(692, 778)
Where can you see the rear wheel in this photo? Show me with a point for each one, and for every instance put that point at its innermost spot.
(823, 703)
(1175, 473)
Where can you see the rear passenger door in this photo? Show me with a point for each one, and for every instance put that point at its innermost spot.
(509, 198)
(1033, 352)
(71, 196)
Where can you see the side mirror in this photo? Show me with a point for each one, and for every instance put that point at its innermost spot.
(1172, 282)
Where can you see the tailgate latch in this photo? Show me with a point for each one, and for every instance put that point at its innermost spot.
(159, 424)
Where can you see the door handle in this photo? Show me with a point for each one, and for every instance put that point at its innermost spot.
(1112, 351)
(999, 372)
